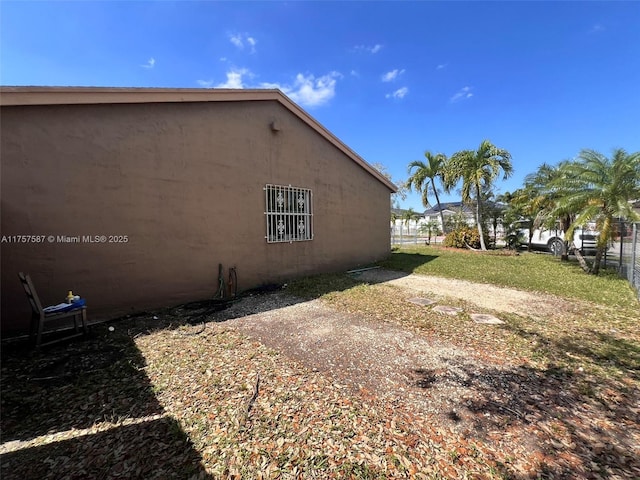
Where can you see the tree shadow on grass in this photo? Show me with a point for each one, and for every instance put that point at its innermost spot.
(406, 262)
(605, 350)
(555, 411)
(53, 400)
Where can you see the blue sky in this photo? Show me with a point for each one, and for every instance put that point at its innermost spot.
(390, 79)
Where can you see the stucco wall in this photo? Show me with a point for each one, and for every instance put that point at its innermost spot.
(184, 182)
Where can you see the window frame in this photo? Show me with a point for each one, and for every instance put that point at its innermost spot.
(288, 213)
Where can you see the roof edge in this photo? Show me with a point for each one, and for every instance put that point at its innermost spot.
(38, 95)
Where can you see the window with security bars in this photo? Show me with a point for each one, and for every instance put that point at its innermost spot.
(289, 213)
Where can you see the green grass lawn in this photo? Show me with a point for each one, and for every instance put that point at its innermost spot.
(526, 271)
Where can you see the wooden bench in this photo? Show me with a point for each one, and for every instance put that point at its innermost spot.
(40, 317)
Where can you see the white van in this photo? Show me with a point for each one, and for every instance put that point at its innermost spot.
(552, 240)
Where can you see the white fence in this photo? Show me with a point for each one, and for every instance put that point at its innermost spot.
(401, 235)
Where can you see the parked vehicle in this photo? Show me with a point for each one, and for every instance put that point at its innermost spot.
(552, 240)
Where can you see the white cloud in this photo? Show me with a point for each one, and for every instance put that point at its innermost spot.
(353, 73)
(270, 85)
(308, 90)
(462, 94)
(150, 63)
(368, 48)
(223, 59)
(234, 78)
(236, 40)
(240, 39)
(400, 93)
(596, 28)
(441, 66)
(392, 75)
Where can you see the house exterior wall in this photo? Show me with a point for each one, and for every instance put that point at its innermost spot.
(184, 183)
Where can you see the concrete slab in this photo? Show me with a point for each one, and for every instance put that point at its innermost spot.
(421, 301)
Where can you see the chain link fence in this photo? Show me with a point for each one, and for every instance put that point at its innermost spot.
(628, 261)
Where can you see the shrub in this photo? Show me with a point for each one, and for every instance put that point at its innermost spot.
(463, 237)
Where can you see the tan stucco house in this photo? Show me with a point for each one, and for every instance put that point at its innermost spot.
(132, 197)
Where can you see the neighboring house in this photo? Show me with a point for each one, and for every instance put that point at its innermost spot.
(136, 195)
(455, 212)
(450, 211)
(415, 231)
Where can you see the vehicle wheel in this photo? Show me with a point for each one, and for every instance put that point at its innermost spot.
(512, 242)
(556, 247)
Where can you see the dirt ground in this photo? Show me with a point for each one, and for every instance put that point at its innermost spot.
(465, 408)
(522, 410)
(398, 364)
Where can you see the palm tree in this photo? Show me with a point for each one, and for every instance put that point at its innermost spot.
(407, 216)
(423, 178)
(539, 198)
(494, 210)
(598, 189)
(417, 220)
(478, 170)
(393, 218)
(430, 228)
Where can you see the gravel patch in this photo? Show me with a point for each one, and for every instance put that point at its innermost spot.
(397, 364)
(500, 299)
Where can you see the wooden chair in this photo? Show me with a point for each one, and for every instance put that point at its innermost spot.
(40, 316)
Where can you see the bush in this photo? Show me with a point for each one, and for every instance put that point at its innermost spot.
(463, 237)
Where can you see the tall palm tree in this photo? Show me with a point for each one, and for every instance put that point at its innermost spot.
(598, 189)
(478, 170)
(424, 176)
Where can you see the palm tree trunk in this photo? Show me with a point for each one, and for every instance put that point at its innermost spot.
(581, 260)
(602, 243)
(483, 247)
(435, 192)
(565, 222)
(596, 261)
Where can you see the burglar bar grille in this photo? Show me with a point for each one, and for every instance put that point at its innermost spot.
(289, 213)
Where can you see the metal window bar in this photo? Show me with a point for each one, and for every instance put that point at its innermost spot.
(289, 213)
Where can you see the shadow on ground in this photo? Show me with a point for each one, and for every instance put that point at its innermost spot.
(295, 292)
(154, 449)
(407, 262)
(53, 400)
(582, 434)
